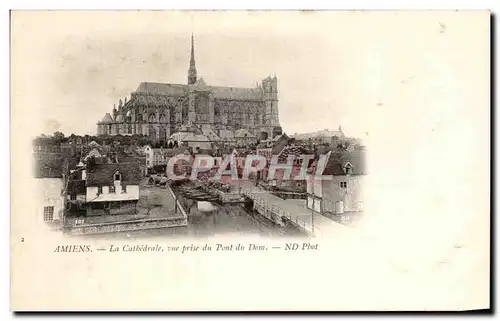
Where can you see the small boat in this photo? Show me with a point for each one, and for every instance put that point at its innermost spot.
(206, 206)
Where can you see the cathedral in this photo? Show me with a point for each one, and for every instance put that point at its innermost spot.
(160, 110)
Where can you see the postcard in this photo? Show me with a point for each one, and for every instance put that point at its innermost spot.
(250, 160)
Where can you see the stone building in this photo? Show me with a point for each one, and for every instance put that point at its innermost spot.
(160, 109)
(344, 191)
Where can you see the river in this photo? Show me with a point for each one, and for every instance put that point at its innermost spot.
(227, 219)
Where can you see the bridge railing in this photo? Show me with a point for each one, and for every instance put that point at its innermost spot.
(276, 210)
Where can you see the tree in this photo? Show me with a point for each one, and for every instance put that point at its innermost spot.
(58, 137)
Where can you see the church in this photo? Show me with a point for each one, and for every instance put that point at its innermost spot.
(161, 110)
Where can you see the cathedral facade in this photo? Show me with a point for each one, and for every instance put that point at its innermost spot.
(160, 110)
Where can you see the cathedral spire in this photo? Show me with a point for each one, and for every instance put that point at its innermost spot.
(192, 65)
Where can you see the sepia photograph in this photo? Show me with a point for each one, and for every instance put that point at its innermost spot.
(297, 151)
(182, 156)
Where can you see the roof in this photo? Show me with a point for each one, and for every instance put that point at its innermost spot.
(236, 93)
(189, 128)
(93, 144)
(226, 134)
(102, 174)
(107, 119)
(200, 82)
(283, 136)
(101, 160)
(242, 152)
(94, 152)
(189, 137)
(219, 92)
(176, 151)
(338, 160)
(295, 151)
(162, 88)
(274, 142)
(209, 132)
(319, 134)
(243, 133)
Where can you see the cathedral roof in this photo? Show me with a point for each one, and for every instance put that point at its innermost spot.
(219, 92)
(237, 93)
(107, 119)
(162, 88)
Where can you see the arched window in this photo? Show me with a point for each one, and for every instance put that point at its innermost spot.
(202, 104)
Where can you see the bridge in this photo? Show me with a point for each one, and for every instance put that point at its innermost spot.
(294, 211)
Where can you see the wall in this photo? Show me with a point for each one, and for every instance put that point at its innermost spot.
(49, 193)
(128, 226)
(114, 208)
(314, 202)
(352, 196)
(131, 194)
(125, 208)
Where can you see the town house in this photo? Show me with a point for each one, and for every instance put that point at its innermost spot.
(112, 188)
(344, 192)
(48, 185)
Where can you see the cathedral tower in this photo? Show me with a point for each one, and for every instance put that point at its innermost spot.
(192, 65)
(270, 87)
